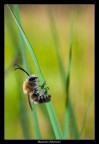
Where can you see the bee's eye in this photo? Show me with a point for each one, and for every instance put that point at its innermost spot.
(32, 78)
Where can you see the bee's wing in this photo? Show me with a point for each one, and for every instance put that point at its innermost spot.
(30, 102)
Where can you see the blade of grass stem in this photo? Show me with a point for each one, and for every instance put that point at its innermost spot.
(26, 66)
(57, 44)
(29, 48)
(68, 104)
(73, 122)
(11, 30)
(65, 79)
(69, 63)
(85, 116)
(66, 119)
(58, 133)
(54, 121)
(35, 121)
(66, 123)
(22, 46)
(23, 116)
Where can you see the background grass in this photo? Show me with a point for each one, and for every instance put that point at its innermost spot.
(49, 105)
(65, 77)
(35, 22)
(26, 67)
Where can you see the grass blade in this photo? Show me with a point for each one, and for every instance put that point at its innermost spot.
(69, 63)
(23, 116)
(65, 79)
(68, 103)
(73, 122)
(57, 44)
(66, 123)
(25, 64)
(21, 42)
(29, 48)
(85, 116)
(11, 30)
(66, 119)
(54, 121)
(58, 133)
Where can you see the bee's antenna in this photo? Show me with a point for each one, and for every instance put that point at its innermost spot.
(21, 69)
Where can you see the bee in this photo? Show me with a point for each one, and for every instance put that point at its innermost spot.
(36, 93)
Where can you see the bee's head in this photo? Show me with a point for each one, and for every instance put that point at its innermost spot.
(32, 78)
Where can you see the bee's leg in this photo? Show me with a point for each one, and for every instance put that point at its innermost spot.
(37, 88)
(30, 102)
(47, 88)
(42, 86)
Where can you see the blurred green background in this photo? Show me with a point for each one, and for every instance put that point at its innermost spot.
(35, 23)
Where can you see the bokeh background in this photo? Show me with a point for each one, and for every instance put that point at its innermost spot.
(35, 23)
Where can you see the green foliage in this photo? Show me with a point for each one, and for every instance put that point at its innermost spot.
(65, 80)
(74, 95)
(85, 115)
(26, 66)
(54, 121)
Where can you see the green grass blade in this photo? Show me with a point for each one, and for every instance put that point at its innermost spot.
(26, 66)
(66, 123)
(73, 122)
(21, 42)
(11, 31)
(36, 124)
(69, 63)
(66, 119)
(65, 79)
(56, 44)
(23, 116)
(29, 48)
(58, 133)
(68, 104)
(85, 115)
(54, 121)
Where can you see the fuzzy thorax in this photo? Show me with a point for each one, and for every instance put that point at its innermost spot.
(26, 88)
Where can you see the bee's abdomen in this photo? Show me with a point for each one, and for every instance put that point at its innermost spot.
(40, 99)
(44, 99)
